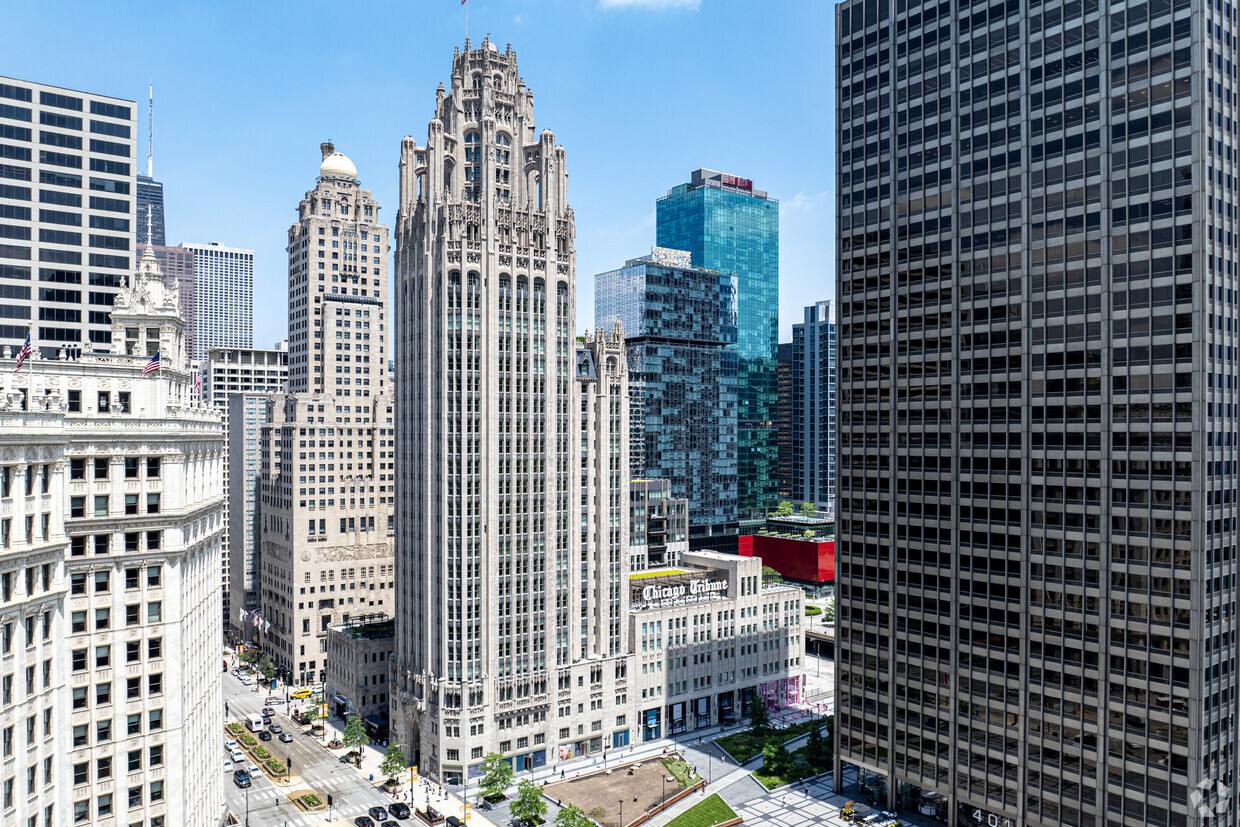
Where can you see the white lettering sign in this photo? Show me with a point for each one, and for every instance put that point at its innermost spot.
(695, 588)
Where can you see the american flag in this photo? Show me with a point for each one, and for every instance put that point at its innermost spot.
(198, 382)
(23, 353)
(152, 365)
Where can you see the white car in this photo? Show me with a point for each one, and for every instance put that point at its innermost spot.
(237, 755)
(246, 680)
(228, 765)
(274, 701)
(254, 770)
(230, 744)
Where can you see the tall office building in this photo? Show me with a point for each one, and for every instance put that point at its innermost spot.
(223, 297)
(240, 382)
(783, 420)
(66, 231)
(177, 265)
(150, 211)
(327, 456)
(495, 402)
(1037, 324)
(110, 491)
(680, 324)
(729, 226)
(813, 407)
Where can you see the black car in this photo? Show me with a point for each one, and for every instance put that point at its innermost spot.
(241, 778)
(363, 821)
(266, 720)
(399, 810)
(389, 824)
(264, 735)
(377, 813)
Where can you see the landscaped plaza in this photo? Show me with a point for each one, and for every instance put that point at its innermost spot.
(628, 789)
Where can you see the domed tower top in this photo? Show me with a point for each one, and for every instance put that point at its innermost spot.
(335, 164)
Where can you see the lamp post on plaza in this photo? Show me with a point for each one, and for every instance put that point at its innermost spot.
(622, 812)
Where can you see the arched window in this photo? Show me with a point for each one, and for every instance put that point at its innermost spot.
(473, 166)
(478, 81)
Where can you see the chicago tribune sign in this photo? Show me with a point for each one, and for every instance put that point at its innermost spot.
(693, 590)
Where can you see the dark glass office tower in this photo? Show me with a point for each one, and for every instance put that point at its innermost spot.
(150, 198)
(729, 226)
(812, 402)
(680, 328)
(784, 418)
(1036, 558)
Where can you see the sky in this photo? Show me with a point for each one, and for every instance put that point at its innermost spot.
(639, 93)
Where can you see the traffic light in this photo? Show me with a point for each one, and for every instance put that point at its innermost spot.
(329, 799)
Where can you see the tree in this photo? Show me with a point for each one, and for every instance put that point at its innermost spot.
(355, 736)
(819, 751)
(807, 509)
(770, 575)
(529, 808)
(828, 611)
(571, 816)
(249, 656)
(759, 716)
(266, 669)
(775, 758)
(496, 776)
(784, 509)
(393, 763)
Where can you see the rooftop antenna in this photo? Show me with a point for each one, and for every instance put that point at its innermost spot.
(150, 132)
(149, 240)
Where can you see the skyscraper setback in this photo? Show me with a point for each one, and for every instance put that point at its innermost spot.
(1037, 397)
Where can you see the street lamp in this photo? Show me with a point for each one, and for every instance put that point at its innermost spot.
(622, 812)
(247, 807)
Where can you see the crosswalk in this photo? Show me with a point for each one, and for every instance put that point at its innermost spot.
(268, 806)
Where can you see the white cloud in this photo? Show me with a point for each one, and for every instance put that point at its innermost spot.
(660, 5)
(804, 202)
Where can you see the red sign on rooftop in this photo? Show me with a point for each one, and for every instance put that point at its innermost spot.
(735, 181)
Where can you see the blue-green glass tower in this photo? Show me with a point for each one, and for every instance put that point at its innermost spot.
(727, 225)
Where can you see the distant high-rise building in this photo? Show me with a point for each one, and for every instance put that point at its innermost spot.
(729, 226)
(1038, 387)
(812, 389)
(150, 201)
(240, 382)
(223, 297)
(150, 212)
(680, 323)
(177, 264)
(112, 503)
(67, 183)
(326, 516)
(783, 421)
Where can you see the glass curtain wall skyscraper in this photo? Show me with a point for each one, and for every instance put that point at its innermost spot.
(1036, 556)
(727, 225)
(680, 326)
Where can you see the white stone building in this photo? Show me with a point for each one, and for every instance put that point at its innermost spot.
(327, 452)
(110, 621)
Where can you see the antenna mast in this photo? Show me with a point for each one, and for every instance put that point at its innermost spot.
(150, 131)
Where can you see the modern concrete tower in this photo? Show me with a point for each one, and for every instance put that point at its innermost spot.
(327, 464)
(1037, 548)
(812, 403)
(497, 575)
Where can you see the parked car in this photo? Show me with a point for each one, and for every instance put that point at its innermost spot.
(286, 737)
(254, 769)
(230, 744)
(399, 810)
(237, 754)
(275, 729)
(264, 735)
(377, 813)
(363, 821)
(228, 765)
(241, 778)
(246, 680)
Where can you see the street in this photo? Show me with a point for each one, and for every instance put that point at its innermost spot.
(319, 768)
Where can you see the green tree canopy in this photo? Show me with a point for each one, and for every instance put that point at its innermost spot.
(807, 509)
(571, 816)
(784, 509)
(393, 763)
(529, 806)
(496, 775)
(759, 716)
(355, 736)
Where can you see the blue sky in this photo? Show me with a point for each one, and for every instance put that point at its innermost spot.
(639, 92)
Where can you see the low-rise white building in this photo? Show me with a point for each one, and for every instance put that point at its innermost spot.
(111, 524)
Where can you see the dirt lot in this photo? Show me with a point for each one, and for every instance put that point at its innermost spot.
(606, 791)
